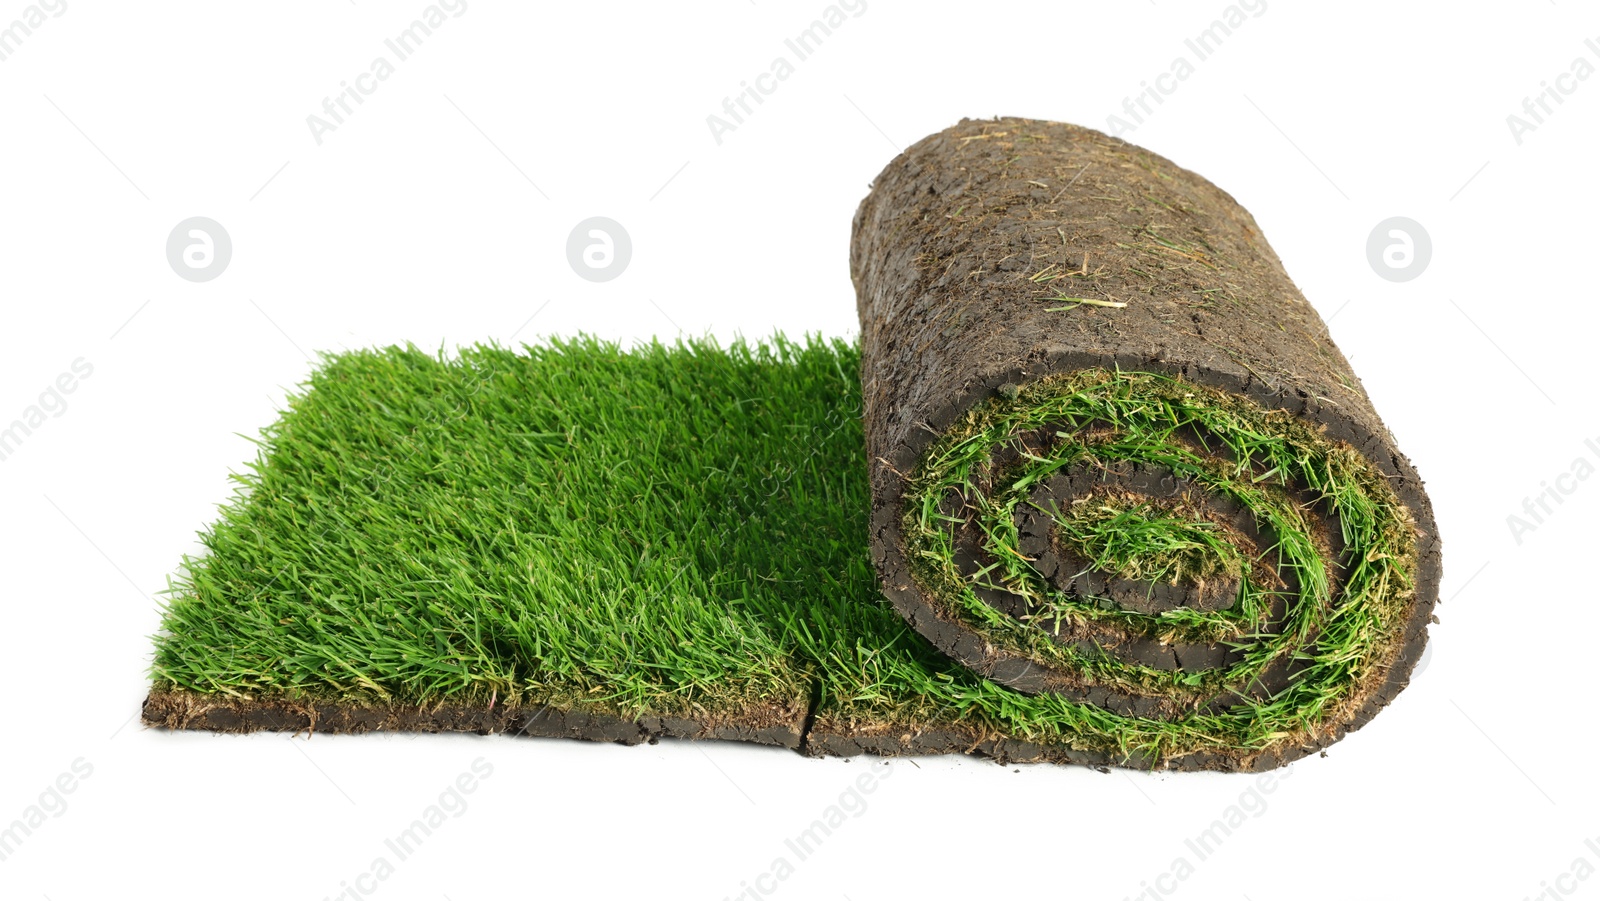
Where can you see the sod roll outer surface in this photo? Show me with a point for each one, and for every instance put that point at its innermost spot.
(1116, 459)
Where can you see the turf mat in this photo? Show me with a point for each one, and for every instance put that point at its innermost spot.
(574, 540)
(1127, 502)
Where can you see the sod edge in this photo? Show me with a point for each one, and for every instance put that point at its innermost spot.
(795, 728)
(781, 725)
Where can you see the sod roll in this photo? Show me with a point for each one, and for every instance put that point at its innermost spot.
(1115, 457)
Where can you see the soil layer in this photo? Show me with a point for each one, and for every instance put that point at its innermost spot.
(774, 724)
(793, 727)
(790, 726)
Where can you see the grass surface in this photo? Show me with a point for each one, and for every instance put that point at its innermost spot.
(666, 530)
(651, 531)
(1141, 542)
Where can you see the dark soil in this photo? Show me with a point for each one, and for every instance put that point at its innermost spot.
(784, 727)
(780, 725)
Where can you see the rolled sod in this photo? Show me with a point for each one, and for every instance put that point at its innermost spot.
(1117, 461)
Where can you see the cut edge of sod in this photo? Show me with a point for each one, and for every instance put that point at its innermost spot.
(766, 723)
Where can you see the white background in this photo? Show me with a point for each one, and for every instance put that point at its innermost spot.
(439, 213)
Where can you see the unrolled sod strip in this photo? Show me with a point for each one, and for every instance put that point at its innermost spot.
(1116, 458)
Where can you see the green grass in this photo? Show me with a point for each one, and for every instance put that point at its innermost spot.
(1141, 542)
(661, 530)
(635, 532)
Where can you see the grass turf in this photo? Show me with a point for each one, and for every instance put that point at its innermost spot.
(668, 530)
(660, 531)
